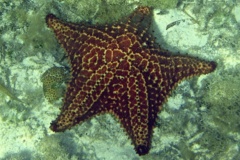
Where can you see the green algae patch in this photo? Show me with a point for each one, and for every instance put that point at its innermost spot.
(162, 4)
(50, 148)
(223, 99)
(106, 11)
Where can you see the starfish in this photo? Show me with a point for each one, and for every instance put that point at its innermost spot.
(118, 69)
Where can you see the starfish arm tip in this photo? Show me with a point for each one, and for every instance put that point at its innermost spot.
(50, 18)
(55, 127)
(214, 65)
(142, 149)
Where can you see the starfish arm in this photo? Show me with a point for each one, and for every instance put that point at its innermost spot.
(66, 33)
(177, 68)
(77, 38)
(137, 95)
(173, 69)
(76, 111)
(127, 99)
(138, 23)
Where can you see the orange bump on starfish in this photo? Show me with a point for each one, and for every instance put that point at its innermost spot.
(118, 69)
